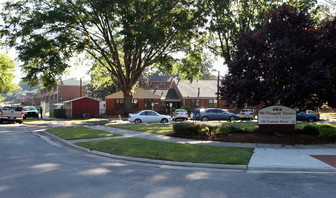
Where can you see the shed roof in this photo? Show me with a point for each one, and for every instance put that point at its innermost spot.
(68, 101)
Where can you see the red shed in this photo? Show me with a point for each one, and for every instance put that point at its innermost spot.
(83, 107)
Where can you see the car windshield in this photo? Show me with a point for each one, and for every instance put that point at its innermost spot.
(245, 110)
(180, 110)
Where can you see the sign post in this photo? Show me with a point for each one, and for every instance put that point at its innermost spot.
(276, 119)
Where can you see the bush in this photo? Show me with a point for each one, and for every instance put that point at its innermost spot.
(186, 128)
(224, 129)
(308, 130)
(327, 132)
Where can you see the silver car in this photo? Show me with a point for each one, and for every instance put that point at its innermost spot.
(214, 114)
(181, 114)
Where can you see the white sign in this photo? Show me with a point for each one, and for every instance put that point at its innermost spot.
(276, 115)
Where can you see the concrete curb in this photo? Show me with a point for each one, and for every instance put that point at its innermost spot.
(50, 138)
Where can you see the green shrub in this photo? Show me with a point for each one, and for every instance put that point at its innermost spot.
(226, 129)
(327, 132)
(186, 128)
(309, 130)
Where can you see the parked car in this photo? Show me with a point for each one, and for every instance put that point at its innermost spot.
(181, 114)
(246, 114)
(312, 112)
(214, 114)
(148, 116)
(300, 116)
(14, 114)
(30, 112)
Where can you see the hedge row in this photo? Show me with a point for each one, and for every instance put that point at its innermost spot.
(200, 128)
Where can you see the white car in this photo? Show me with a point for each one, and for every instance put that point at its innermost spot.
(181, 114)
(148, 116)
(246, 114)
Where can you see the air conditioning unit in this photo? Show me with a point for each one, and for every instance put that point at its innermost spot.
(86, 115)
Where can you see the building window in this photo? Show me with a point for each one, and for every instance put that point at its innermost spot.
(135, 103)
(212, 103)
(195, 102)
(162, 85)
(119, 103)
(148, 103)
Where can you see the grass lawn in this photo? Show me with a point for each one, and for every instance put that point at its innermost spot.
(151, 149)
(157, 128)
(77, 132)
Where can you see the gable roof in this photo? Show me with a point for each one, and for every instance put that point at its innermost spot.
(139, 93)
(197, 89)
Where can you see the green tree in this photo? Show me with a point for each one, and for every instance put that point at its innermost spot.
(288, 61)
(124, 36)
(229, 20)
(7, 70)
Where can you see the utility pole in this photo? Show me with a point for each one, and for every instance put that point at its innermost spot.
(80, 87)
(218, 89)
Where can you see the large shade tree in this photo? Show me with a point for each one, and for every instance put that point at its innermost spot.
(124, 36)
(280, 63)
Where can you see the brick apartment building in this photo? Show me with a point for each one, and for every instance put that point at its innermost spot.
(166, 93)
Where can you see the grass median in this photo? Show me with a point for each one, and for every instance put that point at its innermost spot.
(78, 132)
(135, 147)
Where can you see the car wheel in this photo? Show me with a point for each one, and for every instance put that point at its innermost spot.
(137, 121)
(310, 120)
(164, 120)
(232, 119)
(205, 119)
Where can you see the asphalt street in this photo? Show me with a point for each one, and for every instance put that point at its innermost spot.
(33, 167)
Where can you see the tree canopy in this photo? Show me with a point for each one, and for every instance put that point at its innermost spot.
(124, 36)
(229, 20)
(288, 61)
(7, 70)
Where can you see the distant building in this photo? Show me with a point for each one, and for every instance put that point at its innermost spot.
(67, 90)
(29, 97)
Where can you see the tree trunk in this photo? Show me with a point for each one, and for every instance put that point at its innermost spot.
(127, 102)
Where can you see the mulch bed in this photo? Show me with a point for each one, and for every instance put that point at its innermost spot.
(269, 138)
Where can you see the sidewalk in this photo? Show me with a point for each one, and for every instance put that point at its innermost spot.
(266, 157)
